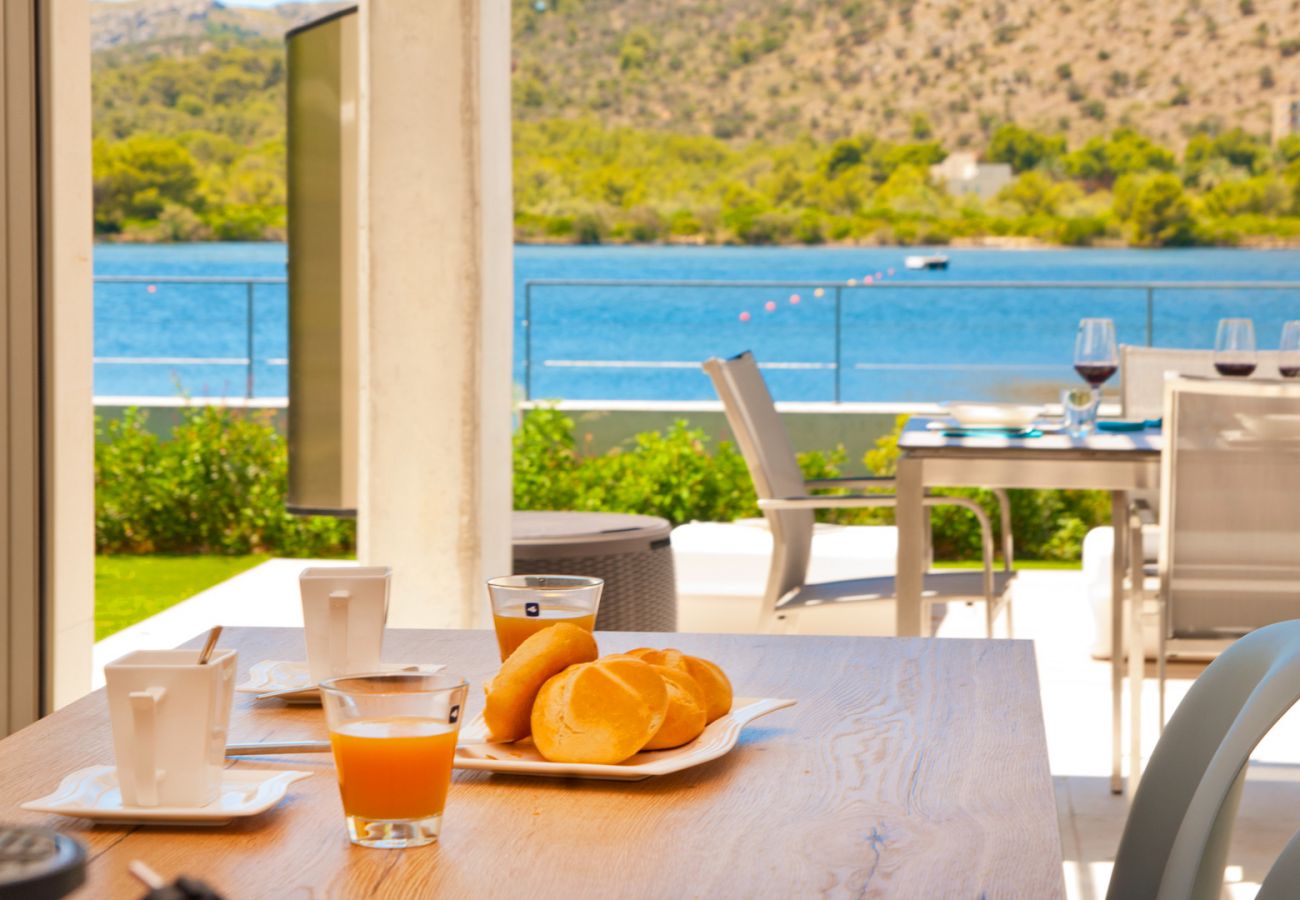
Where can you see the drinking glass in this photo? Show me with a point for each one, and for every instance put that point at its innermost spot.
(1234, 347)
(1096, 357)
(525, 604)
(1288, 351)
(394, 738)
(1079, 407)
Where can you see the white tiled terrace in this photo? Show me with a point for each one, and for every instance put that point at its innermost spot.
(721, 571)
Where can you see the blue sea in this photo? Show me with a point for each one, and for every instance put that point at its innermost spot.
(897, 342)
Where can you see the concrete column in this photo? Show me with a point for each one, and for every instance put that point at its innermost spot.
(434, 493)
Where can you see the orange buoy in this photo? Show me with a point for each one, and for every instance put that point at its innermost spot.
(153, 289)
(819, 293)
(744, 317)
(770, 306)
(794, 299)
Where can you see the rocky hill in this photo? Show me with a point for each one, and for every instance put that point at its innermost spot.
(775, 69)
(898, 68)
(114, 23)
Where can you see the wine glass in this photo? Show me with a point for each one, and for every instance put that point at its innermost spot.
(1234, 348)
(1095, 355)
(1288, 351)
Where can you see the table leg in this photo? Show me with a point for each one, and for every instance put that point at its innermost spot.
(1137, 652)
(1119, 526)
(909, 515)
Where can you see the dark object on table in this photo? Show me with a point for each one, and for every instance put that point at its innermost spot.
(632, 553)
(182, 888)
(37, 863)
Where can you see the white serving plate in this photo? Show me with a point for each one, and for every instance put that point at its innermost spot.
(522, 758)
(993, 415)
(93, 793)
(280, 675)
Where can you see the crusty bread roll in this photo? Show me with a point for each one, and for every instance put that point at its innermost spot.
(716, 685)
(511, 693)
(687, 705)
(599, 712)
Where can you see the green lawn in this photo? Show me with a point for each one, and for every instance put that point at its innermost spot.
(1019, 564)
(131, 588)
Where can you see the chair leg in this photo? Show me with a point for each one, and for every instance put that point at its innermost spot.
(1161, 668)
(1011, 630)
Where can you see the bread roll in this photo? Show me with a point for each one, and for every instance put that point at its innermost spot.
(599, 712)
(685, 718)
(511, 693)
(717, 687)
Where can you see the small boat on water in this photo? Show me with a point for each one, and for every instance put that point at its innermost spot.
(918, 263)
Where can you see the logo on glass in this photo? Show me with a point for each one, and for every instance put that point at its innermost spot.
(532, 609)
(454, 715)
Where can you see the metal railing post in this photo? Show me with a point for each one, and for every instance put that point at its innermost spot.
(528, 340)
(1151, 320)
(248, 329)
(839, 351)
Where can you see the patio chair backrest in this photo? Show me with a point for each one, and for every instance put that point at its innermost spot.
(1143, 371)
(772, 465)
(1175, 842)
(1230, 472)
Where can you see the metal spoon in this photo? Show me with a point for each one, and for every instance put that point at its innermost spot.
(209, 645)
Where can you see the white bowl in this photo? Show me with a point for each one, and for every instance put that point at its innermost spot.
(993, 415)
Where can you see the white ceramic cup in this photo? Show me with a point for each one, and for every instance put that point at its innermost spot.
(170, 717)
(344, 609)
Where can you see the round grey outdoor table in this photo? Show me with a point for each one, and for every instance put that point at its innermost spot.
(632, 553)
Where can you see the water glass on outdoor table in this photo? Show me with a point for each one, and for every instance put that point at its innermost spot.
(394, 739)
(525, 604)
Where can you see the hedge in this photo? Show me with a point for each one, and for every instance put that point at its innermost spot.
(217, 485)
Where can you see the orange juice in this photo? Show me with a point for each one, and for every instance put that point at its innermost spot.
(514, 624)
(394, 768)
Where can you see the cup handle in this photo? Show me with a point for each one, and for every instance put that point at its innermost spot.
(144, 719)
(337, 650)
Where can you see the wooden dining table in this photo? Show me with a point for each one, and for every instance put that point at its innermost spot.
(907, 768)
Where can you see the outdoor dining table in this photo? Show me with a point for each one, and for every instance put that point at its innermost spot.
(908, 767)
(930, 455)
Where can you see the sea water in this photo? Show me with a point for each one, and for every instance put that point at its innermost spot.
(906, 337)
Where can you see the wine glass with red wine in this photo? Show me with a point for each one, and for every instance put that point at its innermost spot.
(1288, 351)
(1096, 357)
(1234, 348)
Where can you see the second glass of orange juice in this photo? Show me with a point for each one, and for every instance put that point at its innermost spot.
(394, 739)
(525, 604)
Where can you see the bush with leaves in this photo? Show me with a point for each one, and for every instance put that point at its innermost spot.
(216, 485)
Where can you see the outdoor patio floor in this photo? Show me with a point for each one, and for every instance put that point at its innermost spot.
(1050, 609)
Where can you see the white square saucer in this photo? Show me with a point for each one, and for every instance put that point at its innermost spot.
(93, 793)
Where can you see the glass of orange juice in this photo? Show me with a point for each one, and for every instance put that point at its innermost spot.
(524, 604)
(394, 738)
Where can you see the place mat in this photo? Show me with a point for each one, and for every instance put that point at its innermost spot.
(1123, 425)
(993, 432)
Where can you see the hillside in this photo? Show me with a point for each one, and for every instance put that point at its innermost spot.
(830, 68)
(634, 131)
(122, 24)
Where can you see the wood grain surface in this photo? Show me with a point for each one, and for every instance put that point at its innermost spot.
(909, 768)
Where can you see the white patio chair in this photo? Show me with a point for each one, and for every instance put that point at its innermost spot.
(787, 502)
(1143, 371)
(1230, 542)
(1175, 842)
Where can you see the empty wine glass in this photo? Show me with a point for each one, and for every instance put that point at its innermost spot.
(1234, 347)
(1096, 357)
(1288, 351)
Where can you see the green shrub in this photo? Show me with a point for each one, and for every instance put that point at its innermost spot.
(674, 474)
(216, 485)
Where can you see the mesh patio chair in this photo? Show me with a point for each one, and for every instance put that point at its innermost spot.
(1142, 372)
(1175, 842)
(787, 502)
(1230, 545)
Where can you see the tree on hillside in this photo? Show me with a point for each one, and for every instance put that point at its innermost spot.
(1023, 148)
(137, 177)
(1102, 160)
(1157, 210)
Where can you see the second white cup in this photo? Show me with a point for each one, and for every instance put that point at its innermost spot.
(344, 610)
